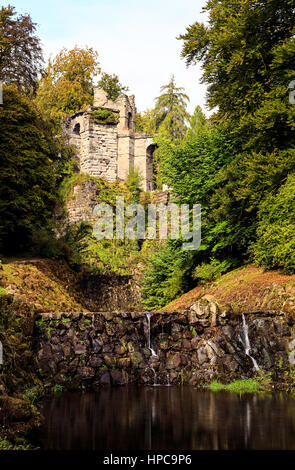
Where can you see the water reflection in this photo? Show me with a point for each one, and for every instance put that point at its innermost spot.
(168, 418)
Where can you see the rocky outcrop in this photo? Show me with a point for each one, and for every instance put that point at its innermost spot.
(205, 342)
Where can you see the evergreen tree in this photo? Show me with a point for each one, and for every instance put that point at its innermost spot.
(170, 111)
(240, 49)
(197, 124)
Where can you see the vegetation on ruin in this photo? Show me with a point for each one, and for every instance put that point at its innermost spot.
(105, 116)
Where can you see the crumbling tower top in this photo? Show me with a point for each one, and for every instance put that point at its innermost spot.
(124, 104)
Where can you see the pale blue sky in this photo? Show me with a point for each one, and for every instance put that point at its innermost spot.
(135, 39)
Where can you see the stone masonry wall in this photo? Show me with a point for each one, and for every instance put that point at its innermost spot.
(195, 347)
(99, 158)
(110, 150)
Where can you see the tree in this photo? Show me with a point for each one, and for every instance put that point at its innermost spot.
(191, 167)
(275, 246)
(247, 51)
(20, 51)
(112, 86)
(145, 121)
(67, 83)
(167, 274)
(28, 154)
(237, 53)
(170, 111)
(197, 125)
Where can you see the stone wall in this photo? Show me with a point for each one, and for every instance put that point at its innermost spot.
(143, 159)
(81, 204)
(99, 158)
(86, 196)
(111, 292)
(162, 197)
(195, 346)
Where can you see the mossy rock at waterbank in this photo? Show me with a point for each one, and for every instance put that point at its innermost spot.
(17, 320)
(19, 415)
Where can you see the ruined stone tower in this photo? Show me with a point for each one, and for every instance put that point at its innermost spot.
(107, 144)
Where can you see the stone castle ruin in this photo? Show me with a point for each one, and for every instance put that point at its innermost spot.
(106, 140)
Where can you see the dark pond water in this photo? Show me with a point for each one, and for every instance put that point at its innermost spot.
(179, 418)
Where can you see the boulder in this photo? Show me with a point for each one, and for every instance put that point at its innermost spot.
(117, 377)
(105, 379)
(86, 373)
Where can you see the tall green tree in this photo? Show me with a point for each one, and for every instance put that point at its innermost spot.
(247, 52)
(21, 58)
(67, 83)
(112, 86)
(170, 111)
(28, 171)
(198, 124)
(238, 52)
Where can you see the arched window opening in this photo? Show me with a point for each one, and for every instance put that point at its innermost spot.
(150, 170)
(76, 129)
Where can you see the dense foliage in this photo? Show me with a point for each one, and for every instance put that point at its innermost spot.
(237, 164)
(112, 85)
(21, 56)
(67, 83)
(276, 229)
(27, 174)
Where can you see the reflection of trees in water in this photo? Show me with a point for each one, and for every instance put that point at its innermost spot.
(169, 418)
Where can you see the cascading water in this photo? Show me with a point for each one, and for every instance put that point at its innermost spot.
(247, 343)
(153, 356)
(148, 317)
(155, 375)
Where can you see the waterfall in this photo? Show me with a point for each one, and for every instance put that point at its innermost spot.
(155, 375)
(148, 317)
(247, 343)
(153, 357)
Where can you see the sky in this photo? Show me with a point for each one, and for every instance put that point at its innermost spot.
(136, 39)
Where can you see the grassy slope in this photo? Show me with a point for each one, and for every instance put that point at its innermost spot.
(50, 285)
(244, 288)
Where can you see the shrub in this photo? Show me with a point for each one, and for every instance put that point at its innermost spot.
(275, 246)
(105, 116)
(167, 274)
(208, 272)
(57, 389)
(69, 247)
(133, 184)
